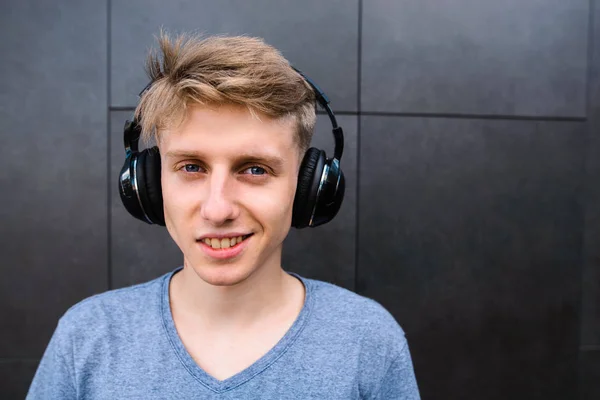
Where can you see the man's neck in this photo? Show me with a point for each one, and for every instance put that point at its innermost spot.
(267, 292)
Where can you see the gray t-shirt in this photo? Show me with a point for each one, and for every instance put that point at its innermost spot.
(123, 344)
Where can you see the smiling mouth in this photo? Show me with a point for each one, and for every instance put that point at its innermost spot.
(224, 243)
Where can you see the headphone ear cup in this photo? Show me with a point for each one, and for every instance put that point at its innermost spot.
(127, 192)
(309, 177)
(149, 185)
(331, 195)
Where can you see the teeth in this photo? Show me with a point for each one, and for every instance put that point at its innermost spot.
(224, 243)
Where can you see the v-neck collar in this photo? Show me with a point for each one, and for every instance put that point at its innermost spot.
(253, 370)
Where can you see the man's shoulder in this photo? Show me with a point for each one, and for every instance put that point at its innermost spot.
(357, 327)
(131, 302)
(353, 311)
(360, 329)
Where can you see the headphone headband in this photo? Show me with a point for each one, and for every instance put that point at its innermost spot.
(323, 100)
(131, 137)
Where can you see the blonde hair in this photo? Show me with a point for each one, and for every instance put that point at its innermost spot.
(217, 70)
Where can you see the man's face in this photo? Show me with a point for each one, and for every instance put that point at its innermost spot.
(226, 176)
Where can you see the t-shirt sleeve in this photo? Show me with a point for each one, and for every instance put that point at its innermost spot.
(399, 382)
(53, 378)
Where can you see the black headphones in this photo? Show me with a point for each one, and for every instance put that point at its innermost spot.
(319, 193)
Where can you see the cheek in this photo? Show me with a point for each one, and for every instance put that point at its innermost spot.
(168, 206)
(167, 194)
(274, 204)
(177, 199)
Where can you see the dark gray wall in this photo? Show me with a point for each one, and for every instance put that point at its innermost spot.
(472, 161)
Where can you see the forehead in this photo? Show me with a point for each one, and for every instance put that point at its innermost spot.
(228, 129)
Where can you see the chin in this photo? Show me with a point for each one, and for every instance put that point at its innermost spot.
(224, 275)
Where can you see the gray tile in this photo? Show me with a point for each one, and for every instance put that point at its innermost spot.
(139, 252)
(509, 57)
(590, 317)
(470, 233)
(15, 377)
(327, 252)
(53, 137)
(589, 375)
(318, 37)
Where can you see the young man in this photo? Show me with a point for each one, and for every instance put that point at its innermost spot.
(232, 121)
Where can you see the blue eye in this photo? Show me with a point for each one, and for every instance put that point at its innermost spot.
(194, 167)
(256, 170)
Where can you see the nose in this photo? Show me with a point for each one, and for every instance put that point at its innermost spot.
(218, 205)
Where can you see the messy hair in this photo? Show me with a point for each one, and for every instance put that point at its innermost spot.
(223, 70)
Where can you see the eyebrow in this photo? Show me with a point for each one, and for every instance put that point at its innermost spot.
(274, 161)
